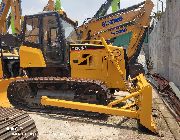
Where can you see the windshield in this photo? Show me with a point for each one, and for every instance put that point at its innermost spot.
(69, 30)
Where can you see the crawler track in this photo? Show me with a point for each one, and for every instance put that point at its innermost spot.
(16, 125)
(23, 93)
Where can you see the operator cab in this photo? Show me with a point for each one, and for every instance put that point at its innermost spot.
(49, 31)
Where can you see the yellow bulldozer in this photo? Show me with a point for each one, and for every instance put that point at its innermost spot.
(61, 71)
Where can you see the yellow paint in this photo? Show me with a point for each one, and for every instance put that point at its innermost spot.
(103, 65)
(4, 15)
(96, 26)
(140, 17)
(89, 107)
(123, 99)
(142, 98)
(145, 103)
(31, 57)
(99, 66)
(4, 102)
(15, 11)
(4, 83)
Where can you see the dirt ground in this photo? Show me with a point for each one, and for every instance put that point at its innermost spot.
(60, 127)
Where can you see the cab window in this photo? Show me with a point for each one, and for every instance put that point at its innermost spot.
(32, 30)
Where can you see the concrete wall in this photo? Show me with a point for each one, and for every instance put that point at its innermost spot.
(164, 43)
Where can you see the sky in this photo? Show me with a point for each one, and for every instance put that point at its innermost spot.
(76, 9)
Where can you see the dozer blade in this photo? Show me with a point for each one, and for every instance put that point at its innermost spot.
(4, 83)
(145, 104)
(143, 101)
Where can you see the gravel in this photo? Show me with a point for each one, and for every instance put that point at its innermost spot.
(60, 127)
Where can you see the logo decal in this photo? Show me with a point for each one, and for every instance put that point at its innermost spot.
(112, 21)
(119, 31)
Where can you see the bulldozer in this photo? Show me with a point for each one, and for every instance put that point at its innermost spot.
(132, 23)
(61, 71)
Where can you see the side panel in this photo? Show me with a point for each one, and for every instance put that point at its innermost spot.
(114, 77)
(31, 57)
(88, 65)
(94, 64)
